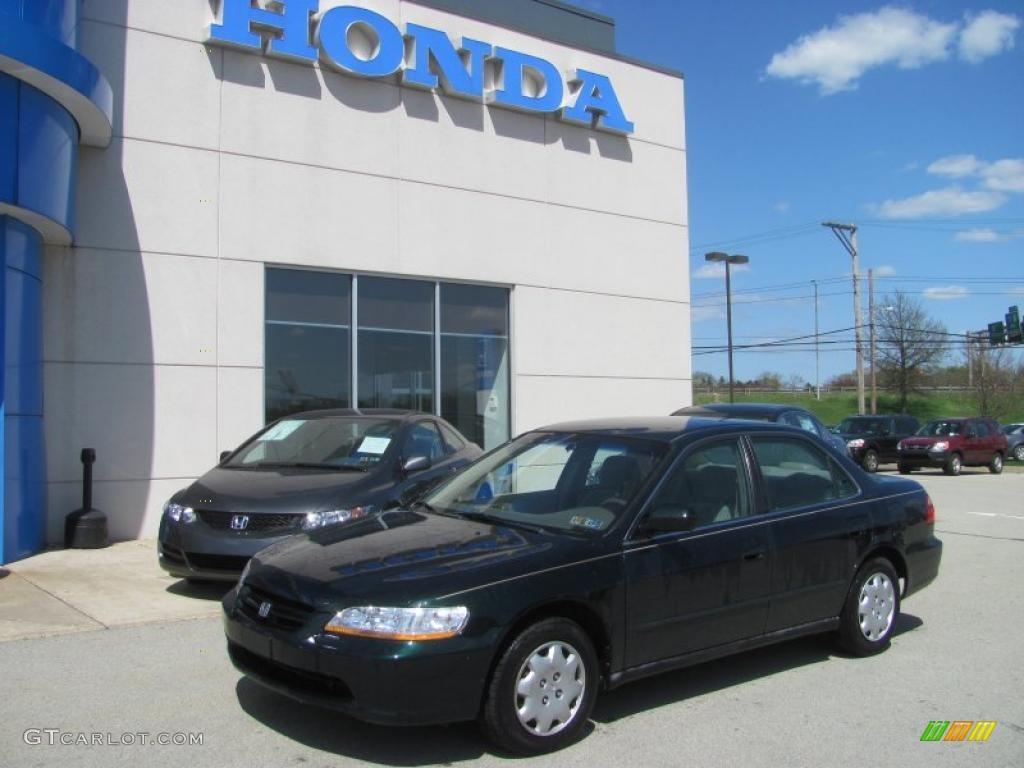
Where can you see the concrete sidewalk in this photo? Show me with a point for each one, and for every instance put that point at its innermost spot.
(80, 590)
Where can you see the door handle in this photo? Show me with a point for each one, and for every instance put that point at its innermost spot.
(758, 554)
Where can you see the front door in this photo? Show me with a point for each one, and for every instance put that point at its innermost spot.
(697, 589)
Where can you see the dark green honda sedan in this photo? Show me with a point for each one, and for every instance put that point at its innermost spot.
(577, 558)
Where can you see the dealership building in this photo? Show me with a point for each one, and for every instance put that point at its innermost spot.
(217, 212)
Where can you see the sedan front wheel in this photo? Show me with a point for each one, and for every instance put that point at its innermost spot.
(543, 689)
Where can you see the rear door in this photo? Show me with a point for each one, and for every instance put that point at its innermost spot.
(697, 589)
(819, 521)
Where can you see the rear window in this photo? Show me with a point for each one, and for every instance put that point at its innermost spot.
(797, 474)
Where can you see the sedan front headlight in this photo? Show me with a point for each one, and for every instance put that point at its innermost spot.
(942, 445)
(400, 623)
(857, 442)
(179, 512)
(320, 519)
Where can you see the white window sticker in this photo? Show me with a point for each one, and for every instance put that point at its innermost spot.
(374, 445)
(282, 429)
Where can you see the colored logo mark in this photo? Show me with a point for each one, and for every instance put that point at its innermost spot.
(958, 730)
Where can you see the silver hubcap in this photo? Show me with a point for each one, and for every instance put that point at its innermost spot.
(1019, 453)
(877, 607)
(997, 462)
(956, 464)
(871, 462)
(550, 688)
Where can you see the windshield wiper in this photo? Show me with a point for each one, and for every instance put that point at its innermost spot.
(483, 517)
(308, 465)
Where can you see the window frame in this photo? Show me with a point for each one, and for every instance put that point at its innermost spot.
(764, 500)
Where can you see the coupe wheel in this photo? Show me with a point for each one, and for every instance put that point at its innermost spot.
(542, 689)
(1018, 452)
(996, 465)
(872, 607)
(870, 461)
(954, 465)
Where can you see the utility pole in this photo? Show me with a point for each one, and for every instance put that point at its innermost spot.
(871, 325)
(847, 235)
(817, 346)
(718, 256)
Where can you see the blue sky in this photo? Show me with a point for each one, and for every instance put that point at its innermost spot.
(907, 120)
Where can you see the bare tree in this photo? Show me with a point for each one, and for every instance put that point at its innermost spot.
(997, 383)
(909, 343)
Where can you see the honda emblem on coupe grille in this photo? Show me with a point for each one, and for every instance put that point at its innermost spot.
(239, 522)
(264, 609)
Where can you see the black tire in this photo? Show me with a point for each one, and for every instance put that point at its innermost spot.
(870, 461)
(954, 465)
(862, 630)
(500, 717)
(996, 465)
(904, 469)
(1018, 452)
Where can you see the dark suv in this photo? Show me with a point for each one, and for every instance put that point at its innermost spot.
(873, 440)
(953, 444)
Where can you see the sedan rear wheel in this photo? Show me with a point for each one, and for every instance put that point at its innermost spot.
(954, 465)
(872, 607)
(542, 690)
(996, 465)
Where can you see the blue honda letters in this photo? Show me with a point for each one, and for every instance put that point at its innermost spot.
(359, 42)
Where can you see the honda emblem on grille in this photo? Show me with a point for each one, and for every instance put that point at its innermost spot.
(265, 609)
(239, 522)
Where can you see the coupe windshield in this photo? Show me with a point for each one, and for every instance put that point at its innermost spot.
(339, 442)
(940, 428)
(568, 482)
(861, 426)
(1013, 429)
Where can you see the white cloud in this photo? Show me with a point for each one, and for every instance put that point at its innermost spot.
(946, 292)
(782, 206)
(708, 271)
(987, 34)
(884, 271)
(1005, 175)
(978, 236)
(956, 166)
(699, 314)
(836, 57)
(949, 201)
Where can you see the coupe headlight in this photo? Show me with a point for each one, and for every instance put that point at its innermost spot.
(855, 443)
(940, 446)
(320, 519)
(178, 512)
(400, 623)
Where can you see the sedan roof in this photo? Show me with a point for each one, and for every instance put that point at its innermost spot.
(663, 428)
(738, 410)
(326, 413)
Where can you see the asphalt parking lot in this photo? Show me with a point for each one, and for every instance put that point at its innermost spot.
(955, 657)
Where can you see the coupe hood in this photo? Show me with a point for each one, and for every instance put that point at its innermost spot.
(401, 556)
(281, 491)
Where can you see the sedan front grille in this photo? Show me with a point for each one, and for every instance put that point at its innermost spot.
(255, 523)
(280, 613)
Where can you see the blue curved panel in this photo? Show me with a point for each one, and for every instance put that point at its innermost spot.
(29, 53)
(47, 157)
(21, 444)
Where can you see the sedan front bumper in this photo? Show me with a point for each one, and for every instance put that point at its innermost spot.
(379, 681)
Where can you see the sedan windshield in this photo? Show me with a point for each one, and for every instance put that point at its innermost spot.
(939, 428)
(335, 442)
(569, 482)
(861, 426)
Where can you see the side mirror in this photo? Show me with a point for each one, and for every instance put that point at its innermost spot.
(224, 455)
(415, 464)
(670, 518)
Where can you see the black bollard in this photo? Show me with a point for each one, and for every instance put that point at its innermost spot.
(86, 528)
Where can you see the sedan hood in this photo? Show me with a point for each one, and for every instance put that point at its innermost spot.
(402, 556)
(281, 491)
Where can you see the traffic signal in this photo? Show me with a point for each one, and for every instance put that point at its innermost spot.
(1013, 330)
(996, 334)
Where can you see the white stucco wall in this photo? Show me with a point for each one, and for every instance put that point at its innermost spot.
(224, 160)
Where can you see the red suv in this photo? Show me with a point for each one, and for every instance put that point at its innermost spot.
(953, 444)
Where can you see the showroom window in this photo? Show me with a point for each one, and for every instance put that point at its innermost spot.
(307, 337)
(421, 345)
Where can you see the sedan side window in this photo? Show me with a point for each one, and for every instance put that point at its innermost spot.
(424, 440)
(710, 484)
(797, 474)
